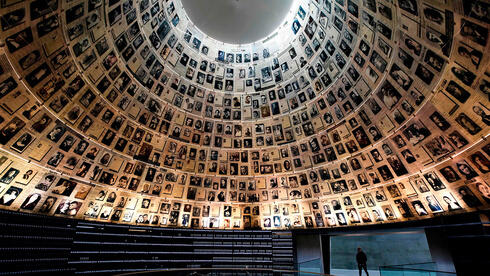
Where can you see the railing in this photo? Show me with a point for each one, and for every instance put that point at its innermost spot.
(225, 271)
(313, 265)
(418, 269)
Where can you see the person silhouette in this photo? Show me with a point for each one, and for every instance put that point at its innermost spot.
(361, 259)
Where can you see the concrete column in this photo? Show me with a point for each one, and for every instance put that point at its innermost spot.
(308, 247)
(439, 249)
(325, 240)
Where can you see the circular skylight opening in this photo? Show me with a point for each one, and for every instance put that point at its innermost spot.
(237, 21)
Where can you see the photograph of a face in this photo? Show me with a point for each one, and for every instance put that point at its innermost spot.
(22, 142)
(416, 132)
(10, 196)
(68, 207)
(11, 129)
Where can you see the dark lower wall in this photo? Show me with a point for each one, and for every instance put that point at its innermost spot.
(57, 245)
(33, 243)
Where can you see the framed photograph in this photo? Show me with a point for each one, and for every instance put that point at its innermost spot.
(468, 56)
(31, 201)
(48, 204)
(419, 208)
(434, 181)
(385, 47)
(92, 20)
(474, 32)
(75, 31)
(464, 75)
(39, 8)
(41, 149)
(14, 101)
(19, 40)
(10, 196)
(438, 147)
(75, 12)
(38, 75)
(295, 27)
(449, 202)
(480, 161)
(10, 129)
(471, 6)
(389, 213)
(419, 184)
(47, 25)
(56, 133)
(424, 74)
(466, 170)
(64, 187)
(468, 124)
(23, 142)
(416, 132)
(12, 19)
(7, 86)
(59, 59)
(378, 62)
(26, 177)
(68, 207)
(434, 16)
(438, 40)
(433, 204)
(9, 175)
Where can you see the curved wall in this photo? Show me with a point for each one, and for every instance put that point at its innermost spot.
(352, 112)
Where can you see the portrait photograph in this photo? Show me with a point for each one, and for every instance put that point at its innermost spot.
(424, 74)
(450, 203)
(434, 181)
(11, 129)
(10, 195)
(480, 162)
(474, 32)
(74, 13)
(31, 201)
(22, 142)
(19, 40)
(439, 147)
(416, 132)
(64, 187)
(12, 19)
(466, 170)
(38, 75)
(9, 176)
(68, 207)
(468, 124)
(450, 174)
(7, 86)
(47, 25)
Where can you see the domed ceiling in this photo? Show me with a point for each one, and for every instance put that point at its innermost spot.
(342, 113)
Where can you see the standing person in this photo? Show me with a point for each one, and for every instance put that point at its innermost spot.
(361, 259)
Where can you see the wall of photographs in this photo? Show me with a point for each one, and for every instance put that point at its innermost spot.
(352, 112)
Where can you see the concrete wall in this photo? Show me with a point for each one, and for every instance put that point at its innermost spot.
(385, 249)
(308, 247)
